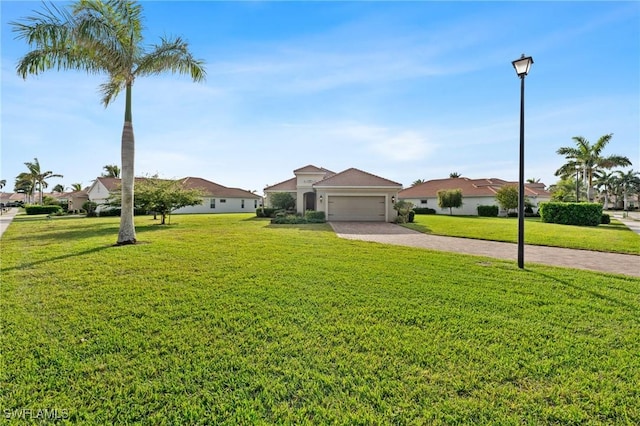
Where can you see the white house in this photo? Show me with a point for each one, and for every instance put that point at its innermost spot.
(216, 199)
(351, 195)
(475, 192)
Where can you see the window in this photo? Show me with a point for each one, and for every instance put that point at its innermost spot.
(242, 204)
(423, 201)
(255, 204)
(213, 203)
(223, 200)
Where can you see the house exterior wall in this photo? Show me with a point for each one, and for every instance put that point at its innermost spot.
(98, 194)
(222, 205)
(304, 184)
(469, 205)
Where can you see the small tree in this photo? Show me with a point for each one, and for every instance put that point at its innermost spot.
(282, 200)
(450, 198)
(507, 197)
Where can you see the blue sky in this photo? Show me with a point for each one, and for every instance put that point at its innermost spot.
(404, 90)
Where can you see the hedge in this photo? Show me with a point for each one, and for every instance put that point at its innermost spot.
(266, 212)
(116, 212)
(313, 216)
(488, 211)
(37, 209)
(581, 214)
(424, 210)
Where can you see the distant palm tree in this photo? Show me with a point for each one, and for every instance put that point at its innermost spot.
(76, 187)
(630, 184)
(104, 37)
(38, 177)
(3, 182)
(454, 175)
(606, 183)
(25, 185)
(58, 188)
(418, 182)
(111, 171)
(589, 158)
(533, 180)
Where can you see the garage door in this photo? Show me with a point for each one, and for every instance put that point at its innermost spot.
(370, 209)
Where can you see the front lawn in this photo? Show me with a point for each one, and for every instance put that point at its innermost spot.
(615, 237)
(227, 319)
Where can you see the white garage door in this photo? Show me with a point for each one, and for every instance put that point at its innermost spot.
(357, 209)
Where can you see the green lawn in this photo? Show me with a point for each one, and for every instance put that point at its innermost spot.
(226, 319)
(614, 237)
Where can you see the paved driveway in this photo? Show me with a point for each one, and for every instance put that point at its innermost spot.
(389, 233)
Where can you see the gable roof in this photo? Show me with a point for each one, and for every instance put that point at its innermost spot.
(486, 187)
(287, 185)
(313, 169)
(355, 177)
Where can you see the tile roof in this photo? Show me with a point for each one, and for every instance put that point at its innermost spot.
(287, 185)
(469, 187)
(312, 169)
(354, 177)
(209, 188)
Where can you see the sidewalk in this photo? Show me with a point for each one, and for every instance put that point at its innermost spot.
(388, 233)
(6, 218)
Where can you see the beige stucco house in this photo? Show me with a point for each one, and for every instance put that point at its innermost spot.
(216, 199)
(351, 195)
(475, 192)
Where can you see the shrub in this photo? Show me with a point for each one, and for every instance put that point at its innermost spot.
(605, 219)
(37, 209)
(313, 216)
(282, 200)
(488, 211)
(90, 208)
(116, 212)
(581, 214)
(512, 214)
(424, 210)
(412, 215)
(266, 212)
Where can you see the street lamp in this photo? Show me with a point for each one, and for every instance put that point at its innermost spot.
(522, 67)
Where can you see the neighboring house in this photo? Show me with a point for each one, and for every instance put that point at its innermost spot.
(216, 198)
(351, 195)
(475, 192)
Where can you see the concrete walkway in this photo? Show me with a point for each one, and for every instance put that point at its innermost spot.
(5, 219)
(388, 233)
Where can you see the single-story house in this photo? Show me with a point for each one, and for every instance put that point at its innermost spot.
(475, 192)
(351, 195)
(216, 199)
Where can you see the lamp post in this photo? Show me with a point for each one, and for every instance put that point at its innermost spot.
(522, 67)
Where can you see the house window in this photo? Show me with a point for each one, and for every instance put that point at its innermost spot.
(213, 203)
(255, 204)
(223, 200)
(423, 201)
(242, 204)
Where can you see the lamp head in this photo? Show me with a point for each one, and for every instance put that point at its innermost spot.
(522, 65)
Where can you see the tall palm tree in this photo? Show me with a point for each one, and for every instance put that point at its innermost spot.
(111, 170)
(629, 183)
(25, 185)
(76, 187)
(104, 37)
(38, 177)
(589, 158)
(58, 188)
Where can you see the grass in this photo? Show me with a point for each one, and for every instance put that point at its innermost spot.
(226, 319)
(615, 237)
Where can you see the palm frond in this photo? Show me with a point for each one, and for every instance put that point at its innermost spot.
(173, 56)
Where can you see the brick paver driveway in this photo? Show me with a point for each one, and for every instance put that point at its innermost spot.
(389, 233)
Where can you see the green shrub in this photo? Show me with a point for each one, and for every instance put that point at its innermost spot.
(605, 219)
(282, 218)
(581, 214)
(266, 212)
(412, 215)
(116, 212)
(313, 216)
(488, 211)
(37, 209)
(424, 210)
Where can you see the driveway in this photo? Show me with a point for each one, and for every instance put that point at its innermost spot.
(389, 233)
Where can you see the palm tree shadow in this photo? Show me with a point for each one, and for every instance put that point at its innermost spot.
(52, 259)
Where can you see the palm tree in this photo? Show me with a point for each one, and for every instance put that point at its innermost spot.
(38, 177)
(76, 187)
(111, 171)
(418, 182)
(454, 175)
(606, 183)
(3, 183)
(589, 158)
(104, 37)
(629, 183)
(58, 188)
(25, 185)
(533, 180)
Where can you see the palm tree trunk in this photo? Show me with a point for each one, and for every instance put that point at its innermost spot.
(127, 232)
